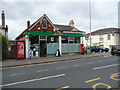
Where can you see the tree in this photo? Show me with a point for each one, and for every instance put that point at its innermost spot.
(4, 46)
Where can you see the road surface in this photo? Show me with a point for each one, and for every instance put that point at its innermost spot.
(97, 72)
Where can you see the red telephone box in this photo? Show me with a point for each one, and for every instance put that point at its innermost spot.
(82, 48)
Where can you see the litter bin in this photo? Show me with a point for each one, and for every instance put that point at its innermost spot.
(88, 51)
(37, 53)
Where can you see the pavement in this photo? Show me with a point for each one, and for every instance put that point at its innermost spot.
(41, 60)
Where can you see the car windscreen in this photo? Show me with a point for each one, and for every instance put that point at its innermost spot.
(115, 47)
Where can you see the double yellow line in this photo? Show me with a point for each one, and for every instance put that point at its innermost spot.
(115, 75)
(63, 88)
(92, 80)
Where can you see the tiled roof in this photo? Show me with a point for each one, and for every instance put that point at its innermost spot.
(63, 27)
(66, 28)
(105, 31)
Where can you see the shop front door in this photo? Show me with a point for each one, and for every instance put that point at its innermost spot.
(43, 48)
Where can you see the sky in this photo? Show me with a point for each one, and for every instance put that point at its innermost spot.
(104, 13)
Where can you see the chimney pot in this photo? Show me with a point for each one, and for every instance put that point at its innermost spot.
(28, 24)
(71, 23)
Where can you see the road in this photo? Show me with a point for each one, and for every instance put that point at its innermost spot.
(97, 72)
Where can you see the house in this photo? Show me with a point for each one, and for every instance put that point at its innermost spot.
(103, 37)
(45, 38)
(3, 27)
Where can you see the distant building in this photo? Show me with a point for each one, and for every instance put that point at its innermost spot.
(103, 37)
(3, 27)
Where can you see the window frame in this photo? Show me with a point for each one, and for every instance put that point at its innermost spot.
(45, 22)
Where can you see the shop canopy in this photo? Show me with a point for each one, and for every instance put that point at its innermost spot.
(52, 34)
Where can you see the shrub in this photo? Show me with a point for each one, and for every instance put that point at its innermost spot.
(4, 47)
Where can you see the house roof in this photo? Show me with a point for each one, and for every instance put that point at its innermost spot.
(105, 31)
(56, 26)
(66, 28)
(31, 26)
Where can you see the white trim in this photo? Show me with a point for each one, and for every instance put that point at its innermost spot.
(60, 44)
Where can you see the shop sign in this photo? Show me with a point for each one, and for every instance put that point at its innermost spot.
(58, 33)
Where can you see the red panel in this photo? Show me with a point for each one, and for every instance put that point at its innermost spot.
(20, 49)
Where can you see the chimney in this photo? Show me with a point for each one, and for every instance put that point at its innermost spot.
(71, 23)
(3, 19)
(28, 24)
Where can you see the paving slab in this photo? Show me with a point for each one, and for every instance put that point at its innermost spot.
(21, 62)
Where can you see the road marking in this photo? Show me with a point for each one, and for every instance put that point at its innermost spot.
(94, 86)
(76, 65)
(38, 79)
(63, 88)
(42, 70)
(115, 75)
(106, 66)
(92, 80)
(60, 67)
(16, 74)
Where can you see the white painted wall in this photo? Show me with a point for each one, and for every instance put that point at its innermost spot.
(106, 43)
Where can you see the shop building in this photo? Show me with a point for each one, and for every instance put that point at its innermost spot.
(45, 38)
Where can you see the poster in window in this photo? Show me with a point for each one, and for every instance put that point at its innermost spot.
(20, 49)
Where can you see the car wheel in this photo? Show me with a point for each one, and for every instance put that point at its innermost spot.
(112, 53)
(106, 51)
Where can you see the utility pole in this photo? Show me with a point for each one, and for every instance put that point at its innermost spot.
(90, 21)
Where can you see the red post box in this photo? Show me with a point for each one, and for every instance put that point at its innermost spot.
(82, 48)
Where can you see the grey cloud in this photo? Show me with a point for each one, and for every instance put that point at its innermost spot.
(17, 13)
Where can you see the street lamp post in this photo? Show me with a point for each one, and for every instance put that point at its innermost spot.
(90, 21)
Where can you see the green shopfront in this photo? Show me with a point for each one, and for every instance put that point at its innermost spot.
(47, 43)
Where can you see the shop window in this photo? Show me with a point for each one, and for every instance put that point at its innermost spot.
(64, 39)
(52, 39)
(71, 39)
(44, 23)
(77, 40)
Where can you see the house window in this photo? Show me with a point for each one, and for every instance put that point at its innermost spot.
(44, 23)
(101, 38)
(109, 37)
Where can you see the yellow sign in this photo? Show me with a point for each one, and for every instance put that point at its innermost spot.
(58, 33)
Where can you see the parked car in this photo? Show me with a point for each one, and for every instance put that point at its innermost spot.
(105, 49)
(98, 49)
(115, 50)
